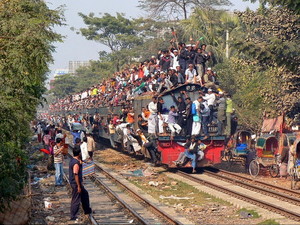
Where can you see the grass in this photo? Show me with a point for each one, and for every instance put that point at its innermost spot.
(249, 211)
(269, 222)
(178, 189)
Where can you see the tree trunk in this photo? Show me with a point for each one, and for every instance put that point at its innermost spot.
(184, 10)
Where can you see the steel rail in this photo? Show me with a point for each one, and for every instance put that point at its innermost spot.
(146, 202)
(272, 193)
(272, 207)
(158, 211)
(116, 197)
(291, 192)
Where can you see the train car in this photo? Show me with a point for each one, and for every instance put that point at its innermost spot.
(168, 147)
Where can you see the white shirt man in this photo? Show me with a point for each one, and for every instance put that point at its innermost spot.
(190, 74)
(210, 97)
(152, 121)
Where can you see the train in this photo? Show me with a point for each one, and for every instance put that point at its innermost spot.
(168, 147)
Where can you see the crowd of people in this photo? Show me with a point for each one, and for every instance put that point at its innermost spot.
(169, 69)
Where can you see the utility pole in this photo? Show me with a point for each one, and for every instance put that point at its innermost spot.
(227, 44)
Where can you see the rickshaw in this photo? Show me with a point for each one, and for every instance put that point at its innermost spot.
(295, 171)
(238, 147)
(266, 156)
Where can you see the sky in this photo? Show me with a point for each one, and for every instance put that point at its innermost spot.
(75, 47)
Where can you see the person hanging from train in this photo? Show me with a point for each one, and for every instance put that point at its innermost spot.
(182, 159)
(221, 116)
(173, 126)
(229, 111)
(131, 140)
(196, 116)
(161, 118)
(205, 112)
(145, 113)
(210, 97)
(189, 116)
(153, 120)
(144, 143)
(142, 124)
(190, 152)
(181, 108)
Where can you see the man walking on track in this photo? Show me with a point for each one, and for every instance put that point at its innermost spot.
(79, 193)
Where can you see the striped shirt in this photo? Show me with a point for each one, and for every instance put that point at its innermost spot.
(58, 158)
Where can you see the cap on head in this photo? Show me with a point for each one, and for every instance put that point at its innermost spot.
(208, 68)
(221, 92)
(209, 90)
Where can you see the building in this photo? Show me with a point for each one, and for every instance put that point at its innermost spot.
(59, 72)
(74, 65)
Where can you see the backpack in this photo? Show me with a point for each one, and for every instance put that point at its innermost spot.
(194, 110)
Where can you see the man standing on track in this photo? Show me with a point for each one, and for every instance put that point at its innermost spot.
(79, 193)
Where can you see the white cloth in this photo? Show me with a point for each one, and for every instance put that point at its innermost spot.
(152, 123)
(196, 127)
(174, 127)
(190, 75)
(175, 62)
(84, 151)
(210, 98)
(161, 123)
(152, 107)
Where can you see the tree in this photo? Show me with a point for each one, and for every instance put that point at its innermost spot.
(267, 58)
(211, 26)
(289, 4)
(25, 52)
(64, 85)
(115, 32)
(167, 8)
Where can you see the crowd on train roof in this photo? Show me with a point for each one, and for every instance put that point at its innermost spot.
(188, 64)
(169, 69)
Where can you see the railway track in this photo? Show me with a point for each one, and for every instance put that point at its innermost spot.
(281, 209)
(260, 187)
(225, 174)
(115, 203)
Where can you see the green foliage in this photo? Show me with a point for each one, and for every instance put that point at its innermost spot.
(244, 82)
(26, 49)
(64, 85)
(289, 4)
(271, 40)
(115, 32)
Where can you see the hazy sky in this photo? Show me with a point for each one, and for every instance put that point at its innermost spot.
(76, 47)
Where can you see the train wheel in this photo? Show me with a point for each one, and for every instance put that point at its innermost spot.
(254, 168)
(274, 170)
